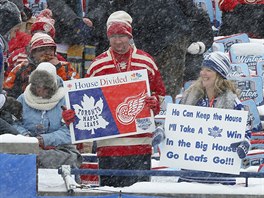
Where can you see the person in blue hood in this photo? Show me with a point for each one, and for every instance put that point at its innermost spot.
(42, 101)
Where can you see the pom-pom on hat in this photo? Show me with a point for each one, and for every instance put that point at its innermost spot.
(119, 23)
(219, 62)
(41, 40)
(45, 23)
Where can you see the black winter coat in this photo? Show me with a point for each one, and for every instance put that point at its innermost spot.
(69, 25)
(246, 18)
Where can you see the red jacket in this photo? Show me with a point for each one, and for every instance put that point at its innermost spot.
(136, 144)
(229, 5)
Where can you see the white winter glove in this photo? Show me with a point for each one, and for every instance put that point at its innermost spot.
(196, 48)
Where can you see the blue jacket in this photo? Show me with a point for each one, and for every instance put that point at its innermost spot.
(48, 124)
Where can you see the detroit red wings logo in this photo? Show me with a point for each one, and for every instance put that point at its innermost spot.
(130, 108)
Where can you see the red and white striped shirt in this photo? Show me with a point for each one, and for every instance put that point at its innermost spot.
(104, 65)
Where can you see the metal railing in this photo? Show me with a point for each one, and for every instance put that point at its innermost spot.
(171, 173)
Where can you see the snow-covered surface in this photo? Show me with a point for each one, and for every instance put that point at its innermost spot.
(51, 181)
(261, 41)
(9, 138)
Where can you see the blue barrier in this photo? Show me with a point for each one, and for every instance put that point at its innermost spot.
(18, 176)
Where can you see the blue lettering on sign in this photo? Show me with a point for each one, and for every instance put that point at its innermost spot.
(202, 115)
(226, 161)
(230, 118)
(113, 81)
(172, 127)
(201, 145)
(198, 158)
(175, 112)
(234, 134)
(79, 85)
(182, 143)
(171, 155)
(187, 129)
(187, 114)
(217, 147)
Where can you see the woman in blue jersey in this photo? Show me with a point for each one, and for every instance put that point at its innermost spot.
(212, 89)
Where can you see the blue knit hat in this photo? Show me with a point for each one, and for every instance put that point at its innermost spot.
(219, 62)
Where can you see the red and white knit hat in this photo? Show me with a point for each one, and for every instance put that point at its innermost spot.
(119, 23)
(45, 23)
(40, 39)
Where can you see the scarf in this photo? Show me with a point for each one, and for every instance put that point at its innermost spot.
(40, 103)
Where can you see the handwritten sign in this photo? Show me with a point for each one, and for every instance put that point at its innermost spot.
(109, 106)
(199, 138)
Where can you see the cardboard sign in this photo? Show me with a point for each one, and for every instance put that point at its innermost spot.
(199, 138)
(109, 106)
(228, 41)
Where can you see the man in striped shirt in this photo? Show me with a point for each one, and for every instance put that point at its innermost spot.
(132, 152)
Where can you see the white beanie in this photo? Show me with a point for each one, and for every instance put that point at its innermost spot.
(119, 16)
(46, 66)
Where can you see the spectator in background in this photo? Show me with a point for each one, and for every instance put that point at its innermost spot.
(42, 49)
(212, 89)
(20, 43)
(10, 109)
(10, 17)
(133, 152)
(173, 32)
(42, 101)
(70, 26)
(242, 16)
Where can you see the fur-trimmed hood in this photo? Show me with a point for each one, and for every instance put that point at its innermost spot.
(44, 76)
(224, 101)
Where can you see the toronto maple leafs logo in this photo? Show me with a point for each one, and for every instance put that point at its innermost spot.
(127, 111)
(89, 114)
(215, 132)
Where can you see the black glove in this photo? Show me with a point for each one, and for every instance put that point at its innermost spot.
(242, 148)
